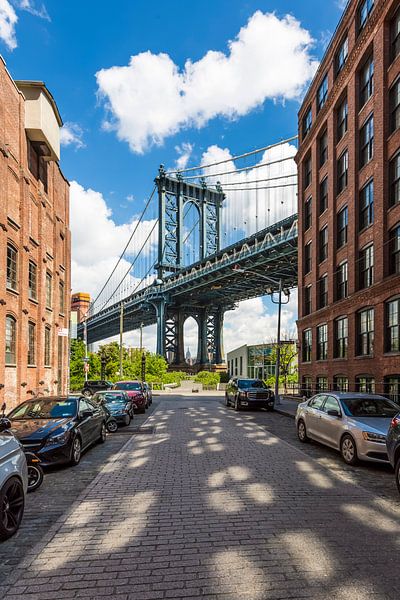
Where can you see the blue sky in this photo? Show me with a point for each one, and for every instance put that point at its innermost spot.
(66, 44)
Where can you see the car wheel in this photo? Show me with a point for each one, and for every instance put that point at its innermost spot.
(127, 420)
(302, 431)
(76, 451)
(348, 450)
(237, 404)
(12, 502)
(35, 477)
(103, 434)
(112, 426)
(397, 474)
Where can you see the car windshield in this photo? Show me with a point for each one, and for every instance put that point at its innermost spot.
(45, 408)
(251, 383)
(127, 385)
(369, 407)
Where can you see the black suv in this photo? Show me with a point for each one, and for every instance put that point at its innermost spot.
(248, 393)
(92, 386)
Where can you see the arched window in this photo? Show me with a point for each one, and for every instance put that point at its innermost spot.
(11, 340)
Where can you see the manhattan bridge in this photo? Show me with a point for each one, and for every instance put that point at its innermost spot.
(208, 237)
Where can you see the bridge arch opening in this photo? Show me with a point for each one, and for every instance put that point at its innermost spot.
(191, 233)
(190, 340)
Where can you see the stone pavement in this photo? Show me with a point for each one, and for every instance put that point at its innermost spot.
(212, 506)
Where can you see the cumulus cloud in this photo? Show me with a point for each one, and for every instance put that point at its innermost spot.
(97, 247)
(184, 152)
(151, 98)
(8, 21)
(71, 134)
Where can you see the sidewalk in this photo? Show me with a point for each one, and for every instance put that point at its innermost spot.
(288, 406)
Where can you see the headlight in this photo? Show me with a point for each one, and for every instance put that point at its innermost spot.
(374, 437)
(62, 438)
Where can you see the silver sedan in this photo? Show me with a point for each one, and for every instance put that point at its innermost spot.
(354, 424)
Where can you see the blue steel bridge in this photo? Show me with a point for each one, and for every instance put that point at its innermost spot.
(178, 262)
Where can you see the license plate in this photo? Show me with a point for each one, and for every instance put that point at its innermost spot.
(245, 403)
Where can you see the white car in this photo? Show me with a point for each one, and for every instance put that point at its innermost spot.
(13, 481)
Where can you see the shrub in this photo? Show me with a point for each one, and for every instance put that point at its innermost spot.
(207, 378)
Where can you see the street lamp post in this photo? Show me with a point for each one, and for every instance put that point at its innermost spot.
(279, 303)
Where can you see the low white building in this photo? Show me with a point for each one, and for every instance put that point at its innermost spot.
(255, 361)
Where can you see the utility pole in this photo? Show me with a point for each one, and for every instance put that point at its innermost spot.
(141, 337)
(278, 347)
(121, 332)
(85, 342)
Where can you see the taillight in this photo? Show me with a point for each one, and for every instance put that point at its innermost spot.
(395, 421)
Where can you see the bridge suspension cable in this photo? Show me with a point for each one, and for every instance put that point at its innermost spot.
(259, 180)
(249, 168)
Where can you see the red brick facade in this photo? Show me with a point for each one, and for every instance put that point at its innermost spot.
(371, 33)
(34, 227)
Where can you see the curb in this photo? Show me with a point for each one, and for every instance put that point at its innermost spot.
(284, 412)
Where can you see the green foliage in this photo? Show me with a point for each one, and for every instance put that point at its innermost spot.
(207, 378)
(224, 377)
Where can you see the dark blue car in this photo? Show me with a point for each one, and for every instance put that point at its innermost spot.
(393, 447)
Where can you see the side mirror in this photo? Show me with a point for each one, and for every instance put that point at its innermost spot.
(5, 424)
(86, 414)
(334, 413)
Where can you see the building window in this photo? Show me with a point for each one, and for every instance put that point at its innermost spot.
(366, 81)
(393, 325)
(32, 281)
(236, 365)
(307, 386)
(323, 148)
(342, 119)
(341, 337)
(323, 195)
(322, 342)
(342, 171)
(341, 55)
(394, 99)
(307, 258)
(49, 284)
(395, 35)
(365, 384)
(394, 250)
(11, 340)
(366, 207)
(36, 162)
(307, 214)
(341, 383)
(366, 267)
(366, 8)
(12, 267)
(241, 365)
(307, 122)
(323, 291)
(308, 300)
(365, 332)
(307, 345)
(61, 294)
(322, 384)
(342, 281)
(392, 388)
(394, 174)
(342, 226)
(31, 343)
(307, 172)
(323, 244)
(322, 93)
(367, 141)
(47, 346)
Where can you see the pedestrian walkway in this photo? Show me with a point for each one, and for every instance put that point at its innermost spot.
(212, 506)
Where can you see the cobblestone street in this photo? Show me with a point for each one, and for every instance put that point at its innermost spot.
(218, 505)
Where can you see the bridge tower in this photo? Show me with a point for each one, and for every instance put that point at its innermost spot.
(174, 195)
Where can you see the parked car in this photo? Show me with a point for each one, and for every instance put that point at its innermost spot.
(393, 446)
(355, 424)
(58, 428)
(92, 386)
(13, 481)
(248, 393)
(149, 393)
(117, 403)
(136, 393)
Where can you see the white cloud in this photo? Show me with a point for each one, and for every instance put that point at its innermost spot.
(8, 21)
(71, 134)
(96, 247)
(184, 152)
(151, 98)
(31, 7)
(342, 4)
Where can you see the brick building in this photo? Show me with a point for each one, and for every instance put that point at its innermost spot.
(349, 207)
(34, 243)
